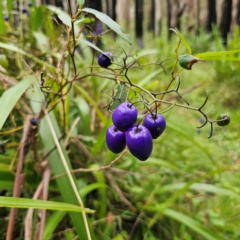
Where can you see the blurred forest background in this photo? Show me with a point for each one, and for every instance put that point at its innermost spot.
(190, 15)
(188, 189)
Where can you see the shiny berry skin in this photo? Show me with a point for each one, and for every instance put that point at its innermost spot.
(34, 121)
(104, 61)
(225, 120)
(24, 10)
(139, 142)
(124, 116)
(115, 139)
(155, 123)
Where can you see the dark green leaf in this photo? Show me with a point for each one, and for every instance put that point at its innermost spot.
(109, 22)
(11, 96)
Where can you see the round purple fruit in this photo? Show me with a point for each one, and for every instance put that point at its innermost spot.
(115, 139)
(124, 116)
(155, 123)
(104, 60)
(34, 121)
(139, 142)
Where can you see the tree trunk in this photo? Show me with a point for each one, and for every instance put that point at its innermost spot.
(95, 4)
(151, 20)
(175, 9)
(226, 20)
(158, 18)
(238, 13)
(114, 15)
(139, 18)
(169, 17)
(107, 8)
(211, 15)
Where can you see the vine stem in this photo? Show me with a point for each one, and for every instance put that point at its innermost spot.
(68, 173)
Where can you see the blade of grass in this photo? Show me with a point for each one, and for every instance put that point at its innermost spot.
(20, 51)
(88, 98)
(159, 208)
(184, 41)
(201, 187)
(12, 202)
(11, 96)
(66, 168)
(193, 224)
(52, 223)
(54, 159)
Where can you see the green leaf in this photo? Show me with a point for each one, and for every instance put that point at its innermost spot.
(184, 41)
(109, 22)
(13, 48)
(149, 77)
(64, 17)
(13, 202)
(81, 3)
(91, 101)
(52, 222)
(10, 5)
(193, 224)
(2, 24)
(63, 183)
(120, 94)
(11, 96)
(201, 187)
(219, 55)
(81, 40)
(84, 20)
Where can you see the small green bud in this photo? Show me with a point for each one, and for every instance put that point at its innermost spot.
(186, 61)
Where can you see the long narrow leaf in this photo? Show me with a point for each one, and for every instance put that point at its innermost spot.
(13, 202)
(193, 224)
(184, 41)
(52, 223)
(81, 40)
(11, 96)
(213, 54)
(10, 47)
(63, 183)
(204, 187)
(109, 22)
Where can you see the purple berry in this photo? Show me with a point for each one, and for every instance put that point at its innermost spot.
(6, 18)
(34, 121)
(124, 116)
(24, 10)
(139, 142)
(104, 61)
(115, 139)
(155, 123)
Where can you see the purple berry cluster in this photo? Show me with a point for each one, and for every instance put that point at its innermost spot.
(138, 138)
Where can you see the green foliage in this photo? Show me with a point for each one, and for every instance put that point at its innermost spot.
(39, 204)
(187, 189)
